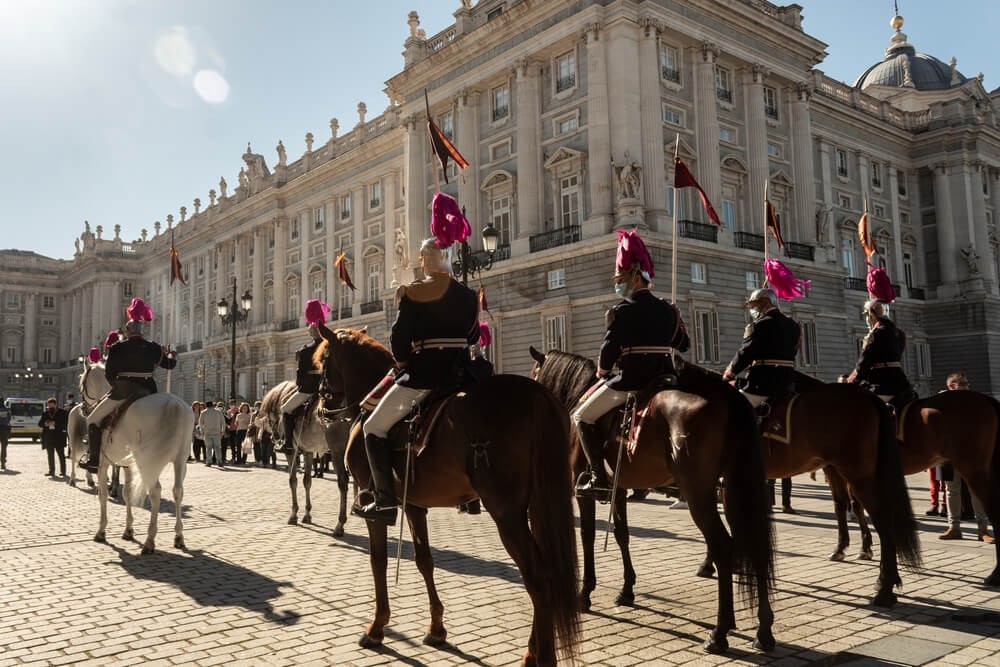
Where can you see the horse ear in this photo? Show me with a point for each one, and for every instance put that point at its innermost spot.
(536, 355)
(364, 330)
(324, 332)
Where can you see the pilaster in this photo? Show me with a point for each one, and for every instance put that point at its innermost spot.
(802, 166)
(709, 172)
(598, 133)
(653, 167)
(753, 82)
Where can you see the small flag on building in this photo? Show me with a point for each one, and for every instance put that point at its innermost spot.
(865, 236)
(773, 222)
(683, 178)
(176, 270)
(345, 277)
(441, 144)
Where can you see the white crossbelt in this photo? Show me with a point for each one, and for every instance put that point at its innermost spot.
(647, 349)
(888, 364)
(774, 362)
(439, 344)
(135, 375)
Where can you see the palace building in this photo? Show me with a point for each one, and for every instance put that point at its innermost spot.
(570, 112)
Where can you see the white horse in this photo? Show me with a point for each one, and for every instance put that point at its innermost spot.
(313, 437)
(77, 431)
(154, 431)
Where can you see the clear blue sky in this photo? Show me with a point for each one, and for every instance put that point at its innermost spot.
(121, 111)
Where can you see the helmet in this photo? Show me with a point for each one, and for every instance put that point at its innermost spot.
(135, 328)
(763, 294)
(875, 308)
(632, 257)
(314, 331)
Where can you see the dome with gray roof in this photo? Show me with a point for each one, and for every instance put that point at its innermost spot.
(903, 67)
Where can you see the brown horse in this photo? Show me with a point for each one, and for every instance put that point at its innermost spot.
(962, 427)
(506, 440)
(691, 435)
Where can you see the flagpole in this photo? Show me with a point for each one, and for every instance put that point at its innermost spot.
(437, 180)
(673, 244)
(170, 302)
(767, 182)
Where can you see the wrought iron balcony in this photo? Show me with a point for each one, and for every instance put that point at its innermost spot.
(345, 312)
(565, 82)
(195, 345)
(855, 284)
(288, 325)
(553, 239)
(182, 347)
(371, 307)
(800, 251)
(689, 229)
(898, 289)
(916, 293)
(670, 74)
(749, 241)
(724, 94)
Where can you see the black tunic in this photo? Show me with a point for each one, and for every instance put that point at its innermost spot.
(134, 355)
(773, 336)
(307, 378)
(884, 344)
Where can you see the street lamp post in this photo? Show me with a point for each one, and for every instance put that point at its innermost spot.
(231, 316)
(469, 262)
(27, 376)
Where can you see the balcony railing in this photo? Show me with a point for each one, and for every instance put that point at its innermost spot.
(182, 347)
(800, 251)
(553, 239)
(565, 82)
(500, 112)
(771, 111)
(749, 241)
(195, 345)
(689, 229)
(855, 284)
(345, 312)
(670, 74)
(288, 325)
(724, 94)
(371, 307)
(917, 293)
(898, 289)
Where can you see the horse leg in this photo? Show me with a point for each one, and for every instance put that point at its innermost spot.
(888, 568)
(129, 533)
(520, 544)
(341, 471)
(154, 514)
(627, 595)
(841, 499)
(180, 468)
(293, 484)
(706, 517)
(866, 552)
(307, 479)
(706, 569)
(984, 487)
(116, 485)
(588, 511)
(378, 557)
(102, 496)
(417, 518)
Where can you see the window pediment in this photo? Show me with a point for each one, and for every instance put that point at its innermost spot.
(500, 178)
(565, 158)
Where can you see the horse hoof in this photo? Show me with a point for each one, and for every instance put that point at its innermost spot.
(90, 483)
(837, 556)
(865, 555)
(625, 599)
(293, 521)
(764, 642)
(367, 641)
(179, 543)
(715, 647)
(147, 549)
(101, 538)
(338, 531)
(431, 639)
(706, 571)
(529, 660)
(128, 536)
(307, 519)
(583, 604)
(72, 483)
(885, 599)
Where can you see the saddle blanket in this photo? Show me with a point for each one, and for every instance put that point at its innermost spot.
(778, 424)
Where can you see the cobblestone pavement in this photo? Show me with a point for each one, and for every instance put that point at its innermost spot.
(253, 590)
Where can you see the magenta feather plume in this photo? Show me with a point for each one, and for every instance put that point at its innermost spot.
(879, 285)
(485, 335)
(631, 251)
(94, 355)
(783, 281)
(316, 312)
(448, 224)
(114, 336)
(138, 311)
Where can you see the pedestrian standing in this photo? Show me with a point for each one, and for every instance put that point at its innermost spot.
(213, 425)
(241, 423)
(4, 431)
(53, 423)
(197, 441)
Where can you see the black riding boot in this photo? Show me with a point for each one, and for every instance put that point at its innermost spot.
(287, 447)
(93, 459)
(383, 507)
(594, 483)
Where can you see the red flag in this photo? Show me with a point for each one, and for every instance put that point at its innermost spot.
(865, 235)
(683, 178)
(444, 149)
(345, 277)
(176, 270)
(482, 302)
(773, 223)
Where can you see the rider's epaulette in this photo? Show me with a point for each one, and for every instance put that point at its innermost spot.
(609, 318)
(748, 331)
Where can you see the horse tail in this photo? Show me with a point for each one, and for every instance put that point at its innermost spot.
(891, 491)
(153, 460)
(994, 466)
(748, 505)
(550, 509)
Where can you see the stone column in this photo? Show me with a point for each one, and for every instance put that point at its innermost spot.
(357, 267)
(467, 118)
(30, 352)
(802, 166)
(897, 230)
(753, 83)
(598, 134)
(259, 240)
(280, 254)
(654, 177)
(706, 115)
(624, 99)
(86, 319)
(417, 205)
(221, 272)
(977, 224)
(305, 288)
(528, 109)
(945, 224)
(389, 226)
(76, 343)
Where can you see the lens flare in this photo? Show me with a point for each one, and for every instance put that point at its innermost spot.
(211, 86)
(175, 53)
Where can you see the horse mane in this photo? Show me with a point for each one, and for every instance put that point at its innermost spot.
(355, 336)
(568, 375)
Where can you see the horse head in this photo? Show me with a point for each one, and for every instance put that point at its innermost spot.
(93, 383)
(352, 363)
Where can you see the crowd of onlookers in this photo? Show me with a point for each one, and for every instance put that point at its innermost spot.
(230, 434)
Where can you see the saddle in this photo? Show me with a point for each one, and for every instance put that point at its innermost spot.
(610, 423)
(776, 418)
(111, 421)
(415, 430)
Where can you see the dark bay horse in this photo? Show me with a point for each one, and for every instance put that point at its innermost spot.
(962, 427)
(691, 436)
(505, 440)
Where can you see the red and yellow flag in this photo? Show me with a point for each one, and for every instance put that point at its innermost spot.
(773, 222)
(341, 264)
(683, 178)
(865, 236)
(176, 270)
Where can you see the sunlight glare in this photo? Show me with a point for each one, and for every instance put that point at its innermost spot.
(175, 53)
(211, 86)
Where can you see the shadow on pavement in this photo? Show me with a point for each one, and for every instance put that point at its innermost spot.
(210, 581)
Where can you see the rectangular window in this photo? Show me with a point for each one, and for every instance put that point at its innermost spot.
(876, 175)
(565, 71)
(843, 201)
(127, 289)
(501, 218)
(294, 229)
(901, 182)
(878, 210)
(345, 207)
(774, 150)
(447, 124)
(706, 336)
(47, 355)
(375, 195)
(904, 218)
(270, 238)
(569, 189)
(11, 353)
(319, 218)
(670, 68)
(374, 291)
(808, 351)
(494, 14)
(727, 134)
(567, 124)
(752, 281)
(557, 279)
(13, 300)
(723, 89)
(770, 103)
(986, 182)
(908, 269)
(345, 301)
(842, 163)
(729, 214)
(847, 257)
(500, 151)
(48, 322)
(48, 302)
(699, 273)
(501, 102)
(923, 360)
(673, 117)
(293, 312)
(555, 333)
(373, 230)
(269, 304)
(317, 284)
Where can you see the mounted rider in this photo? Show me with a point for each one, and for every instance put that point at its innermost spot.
(307, 377)
(129, 369)
(879, 365)
(114, 337)
(767, 353)
(436, 323)
(643, 330)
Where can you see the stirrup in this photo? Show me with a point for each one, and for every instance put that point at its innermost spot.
(373, 512)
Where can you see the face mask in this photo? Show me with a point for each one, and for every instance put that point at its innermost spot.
(754, 313)
(621, 289)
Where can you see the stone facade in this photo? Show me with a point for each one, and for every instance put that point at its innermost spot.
(570, 113)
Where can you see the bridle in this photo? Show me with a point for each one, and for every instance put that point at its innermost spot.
(329, 396)
(89, 401)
